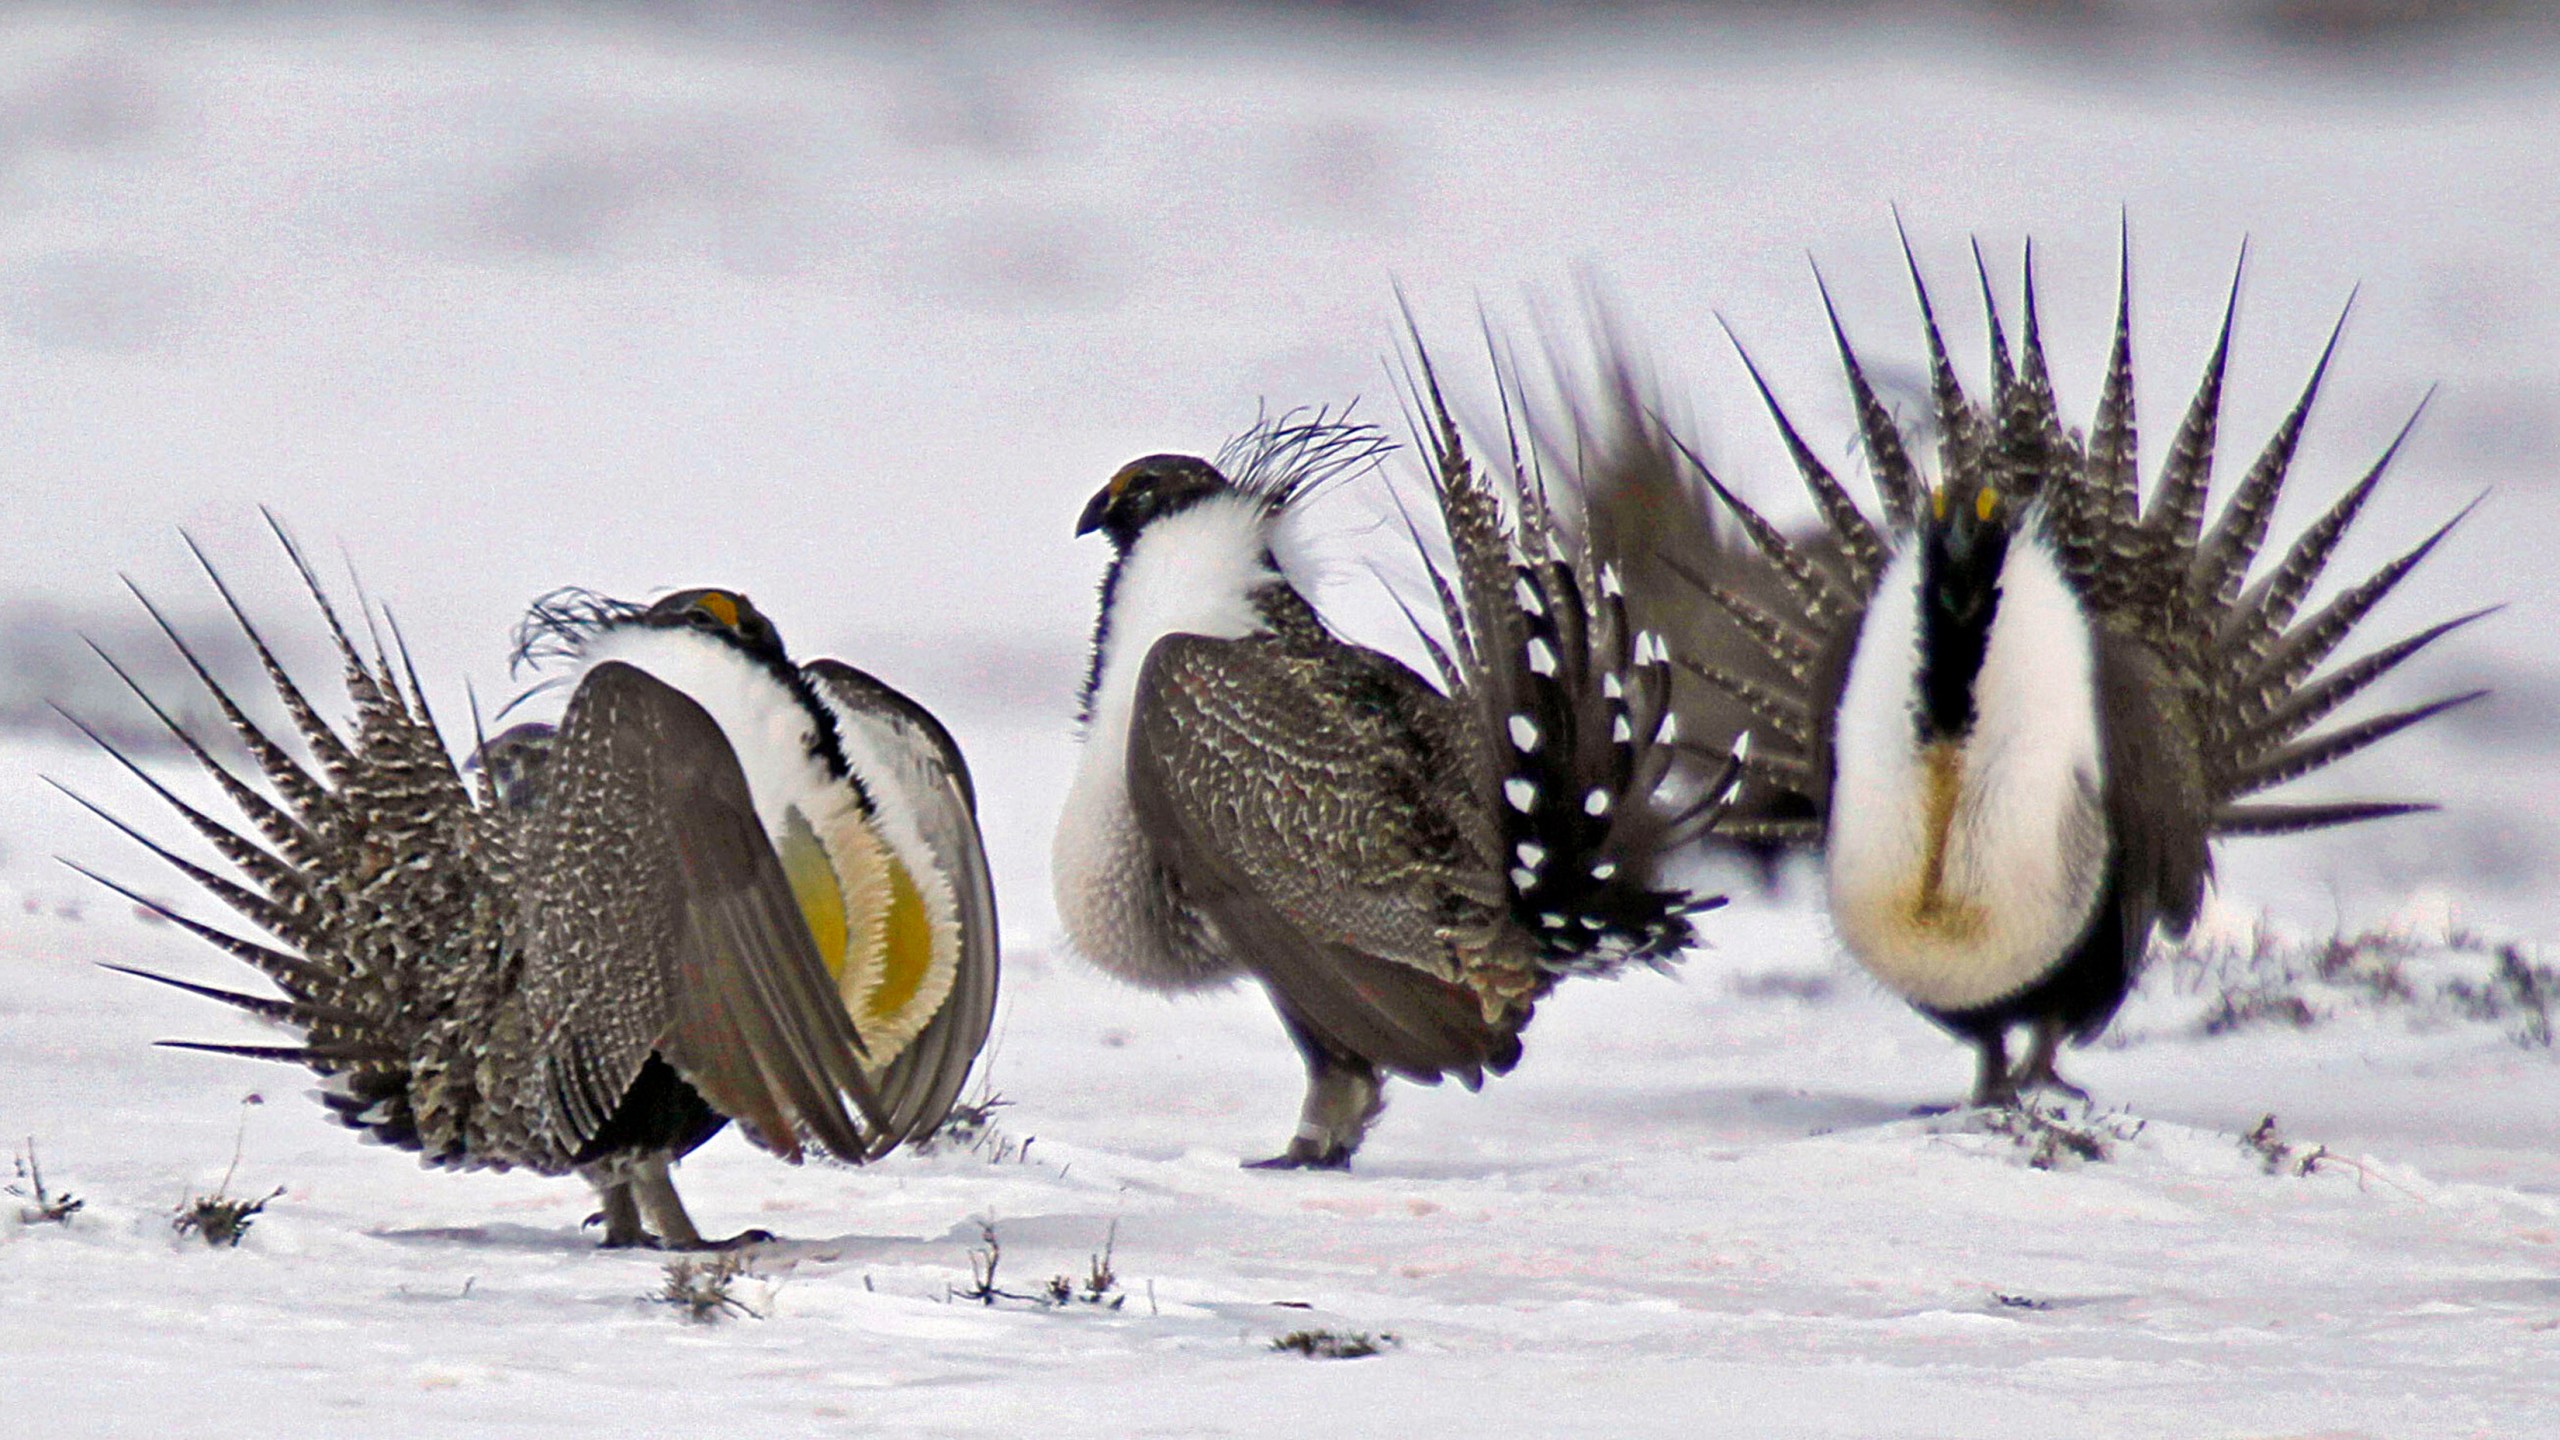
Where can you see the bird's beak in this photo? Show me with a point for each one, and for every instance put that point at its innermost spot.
(1094, 510)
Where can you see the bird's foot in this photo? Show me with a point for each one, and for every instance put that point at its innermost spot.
(2037, 1072)
(1995, 1097)
(744, 1239)
(1306, 1154)
(622, 1229)
(1995, 1086)
(2032, 1079)
(638, 1239)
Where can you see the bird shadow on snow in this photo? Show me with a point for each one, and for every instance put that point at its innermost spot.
(527, 1238)
(1718, 1113)
(1066, 1230)
(531, 1239)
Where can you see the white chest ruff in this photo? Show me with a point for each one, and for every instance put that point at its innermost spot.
(889, 932)
(1111, 900)
(1193, 573)
(902, 907)
(768, 730)
(1961, 874)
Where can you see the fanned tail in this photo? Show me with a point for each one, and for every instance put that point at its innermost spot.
(1734, 599)
(1573, 704)
(2253, 661)
(352, 870)
(1769, 612)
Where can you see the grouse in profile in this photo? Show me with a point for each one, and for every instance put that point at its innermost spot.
(1405, 865)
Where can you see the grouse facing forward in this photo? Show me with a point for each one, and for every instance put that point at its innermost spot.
(1405, 868)
(723, 888)
(2019, 710)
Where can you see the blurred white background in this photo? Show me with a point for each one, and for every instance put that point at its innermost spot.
(851, 307)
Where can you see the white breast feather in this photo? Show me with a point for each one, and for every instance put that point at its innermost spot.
(1192, 573)
(898, 781)
(895, 778)
(2027, 843)
(767, 726)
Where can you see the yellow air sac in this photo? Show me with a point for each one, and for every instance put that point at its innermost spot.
(906, 959)
(891, 946)
(814, 885)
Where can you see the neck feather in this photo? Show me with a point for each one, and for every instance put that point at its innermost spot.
(785, 742)
(1191, 573)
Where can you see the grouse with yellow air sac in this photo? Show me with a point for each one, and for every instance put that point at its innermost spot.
(722, 887)
(2016, 713)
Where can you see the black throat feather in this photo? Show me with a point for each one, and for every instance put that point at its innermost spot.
(1959, 598)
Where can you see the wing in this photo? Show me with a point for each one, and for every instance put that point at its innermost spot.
(656, 918)
(886, 710)
(1297, 810)
(2157, 813)
(924, 776)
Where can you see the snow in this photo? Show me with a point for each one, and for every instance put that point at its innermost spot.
(1693, 1211)
(855, 317)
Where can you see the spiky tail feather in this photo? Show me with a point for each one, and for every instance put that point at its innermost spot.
(338, 845)
(2249, 659)
(1573, 706)
(2180, 583)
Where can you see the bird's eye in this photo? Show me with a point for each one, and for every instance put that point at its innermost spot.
(1938, 502)
(1986, 504)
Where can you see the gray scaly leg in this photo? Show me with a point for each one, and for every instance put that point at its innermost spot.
(1344, 1096)
(656, 1190)
(2036, 1072)
(657, 1195)
(621, 1213)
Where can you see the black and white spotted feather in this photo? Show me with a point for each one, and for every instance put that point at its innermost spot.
(1573, 703)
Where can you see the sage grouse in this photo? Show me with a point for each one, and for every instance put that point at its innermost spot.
(2014, 714)
(724, 888)
(1406, 868)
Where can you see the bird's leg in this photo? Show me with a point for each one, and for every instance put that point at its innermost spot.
(656, 1190)
(1993, 1087)
(2036, 1072)
(621, 1213)
(1341, 1101)
(1343, 1097)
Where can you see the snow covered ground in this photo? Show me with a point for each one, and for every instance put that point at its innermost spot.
(855, 317)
